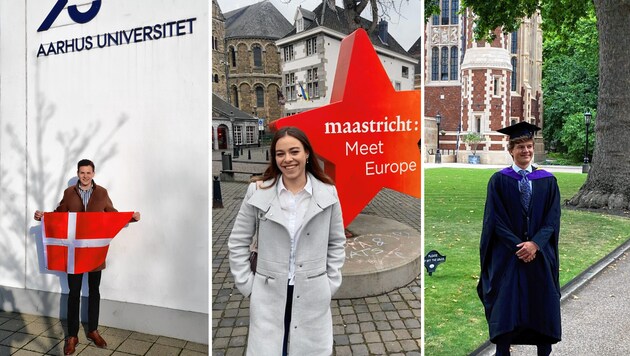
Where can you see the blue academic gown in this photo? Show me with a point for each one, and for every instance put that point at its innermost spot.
(521, 300)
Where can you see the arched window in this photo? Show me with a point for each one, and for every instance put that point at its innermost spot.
(233, 56)
(216, 78)
(257, 51)
(435, 64)
(454, 10)
(454, 63)
(448, 12)
(260, 96)
(445, 12)
(235, 96)
(436, 17)
(513, 86)
(444, 64)
(514, 42)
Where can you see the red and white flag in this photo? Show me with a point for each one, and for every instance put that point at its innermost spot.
(78, 242)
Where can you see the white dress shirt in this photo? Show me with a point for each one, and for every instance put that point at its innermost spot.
(294, 207)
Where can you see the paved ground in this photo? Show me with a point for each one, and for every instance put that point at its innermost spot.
(388, 324)
(595, 318)
(23, 334)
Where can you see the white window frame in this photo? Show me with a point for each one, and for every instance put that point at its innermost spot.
(288, 53)
(497, 86)
(249, 134)
(238, 134)
(311, 46)
(312, 82)
(289, 86)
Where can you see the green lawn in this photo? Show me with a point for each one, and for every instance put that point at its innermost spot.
(454, 201)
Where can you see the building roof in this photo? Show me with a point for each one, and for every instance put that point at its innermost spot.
(217, 13)
(309, 15)
(222, 108)
(260, 20)
(335, 19)
(415, 52)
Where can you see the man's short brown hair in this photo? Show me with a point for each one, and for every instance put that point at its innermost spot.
(516, 141)
(85, 162)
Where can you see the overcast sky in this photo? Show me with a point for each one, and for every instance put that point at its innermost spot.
(406, 28)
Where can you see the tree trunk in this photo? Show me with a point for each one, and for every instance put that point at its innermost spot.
(374, 6)
(608, 182)
(353, 10)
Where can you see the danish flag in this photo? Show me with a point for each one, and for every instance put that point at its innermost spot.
(78, 242)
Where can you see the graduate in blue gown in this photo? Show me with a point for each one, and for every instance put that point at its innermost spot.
(519, 285)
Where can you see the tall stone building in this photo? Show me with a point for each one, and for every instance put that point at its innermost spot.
(254, 76)
(480, 86)
(219, 77)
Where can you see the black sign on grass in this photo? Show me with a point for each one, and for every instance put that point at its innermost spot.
(432, 260)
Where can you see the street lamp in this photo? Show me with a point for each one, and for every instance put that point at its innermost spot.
(438, 154)
(587, 122)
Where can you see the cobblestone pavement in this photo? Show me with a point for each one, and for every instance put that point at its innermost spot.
(388, 324)
(24, 334)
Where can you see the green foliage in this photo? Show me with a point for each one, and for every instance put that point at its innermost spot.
(563, 15)
(570, 76)
(507, 14)
(454, 203)
(431, 7)
(561, 159)
(473, 139)
(573, 136)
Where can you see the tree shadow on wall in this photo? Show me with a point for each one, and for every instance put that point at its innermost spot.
(45, 185)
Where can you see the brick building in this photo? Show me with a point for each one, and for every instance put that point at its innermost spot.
(480, 86)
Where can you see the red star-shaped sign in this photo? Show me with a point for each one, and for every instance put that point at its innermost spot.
(369, 133)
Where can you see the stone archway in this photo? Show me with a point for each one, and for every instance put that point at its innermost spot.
(222, 137)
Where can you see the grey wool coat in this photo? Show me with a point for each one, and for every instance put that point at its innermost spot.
(319, 257)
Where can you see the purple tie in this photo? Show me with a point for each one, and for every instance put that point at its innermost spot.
(526, 190)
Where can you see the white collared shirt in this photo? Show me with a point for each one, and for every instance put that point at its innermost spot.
(294, 207)
(529, 170)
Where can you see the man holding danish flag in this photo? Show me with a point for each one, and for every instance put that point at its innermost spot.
(76, 238)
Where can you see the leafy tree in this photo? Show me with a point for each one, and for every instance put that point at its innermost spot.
(573, 136)
(570, 77)
(473, 139)
(606, 186)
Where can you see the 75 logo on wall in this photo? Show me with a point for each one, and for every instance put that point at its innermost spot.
(76, 15)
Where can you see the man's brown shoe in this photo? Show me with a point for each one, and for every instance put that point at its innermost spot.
(97, 339)
(70, 345)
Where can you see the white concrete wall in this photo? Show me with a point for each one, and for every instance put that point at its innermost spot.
(333, 46)
(393, 67)
(140, 111)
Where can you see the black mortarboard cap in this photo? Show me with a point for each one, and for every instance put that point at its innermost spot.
(521, 129)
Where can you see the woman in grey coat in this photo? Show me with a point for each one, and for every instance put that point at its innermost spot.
(300, 251)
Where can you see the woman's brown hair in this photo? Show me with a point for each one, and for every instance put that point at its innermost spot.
(312, 166)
